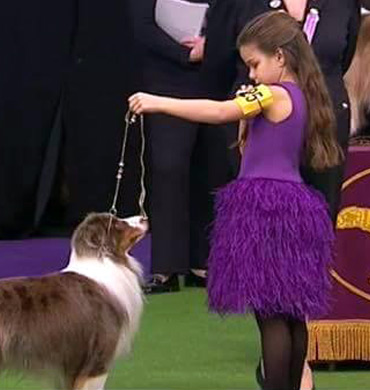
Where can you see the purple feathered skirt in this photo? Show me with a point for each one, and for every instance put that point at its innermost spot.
(271, 247)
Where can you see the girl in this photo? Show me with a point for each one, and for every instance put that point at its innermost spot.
(272, 237)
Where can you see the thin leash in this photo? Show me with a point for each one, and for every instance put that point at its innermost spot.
(130, 119)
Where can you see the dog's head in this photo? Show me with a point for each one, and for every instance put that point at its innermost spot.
(103, 235)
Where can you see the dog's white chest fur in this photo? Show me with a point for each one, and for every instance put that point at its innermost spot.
(120, 281)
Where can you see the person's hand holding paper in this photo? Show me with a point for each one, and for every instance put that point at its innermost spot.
(196, 44)
(182, 20)
(197, 52)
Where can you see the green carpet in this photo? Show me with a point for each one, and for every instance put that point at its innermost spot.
(181, 346)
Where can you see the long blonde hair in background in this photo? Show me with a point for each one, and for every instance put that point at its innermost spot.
(357, 78)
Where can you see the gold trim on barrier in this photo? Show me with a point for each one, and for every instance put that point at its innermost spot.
(334, 273)
(339, 340)
(354, 178)
(349, 286)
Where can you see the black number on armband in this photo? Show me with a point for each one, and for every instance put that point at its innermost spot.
(253, 95)
(250, 98)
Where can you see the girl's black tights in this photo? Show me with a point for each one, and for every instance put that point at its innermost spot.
(284, 347)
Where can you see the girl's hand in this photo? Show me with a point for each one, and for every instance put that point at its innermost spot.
(144, 103)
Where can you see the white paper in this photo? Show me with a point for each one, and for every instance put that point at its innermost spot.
(179, 18)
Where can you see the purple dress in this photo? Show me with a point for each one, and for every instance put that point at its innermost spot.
(272, 239)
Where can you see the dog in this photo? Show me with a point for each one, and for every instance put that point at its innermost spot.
(74, 323)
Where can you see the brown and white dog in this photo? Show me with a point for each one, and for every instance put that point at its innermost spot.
(76, 322)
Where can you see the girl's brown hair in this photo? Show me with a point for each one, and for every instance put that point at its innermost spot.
(272, 31)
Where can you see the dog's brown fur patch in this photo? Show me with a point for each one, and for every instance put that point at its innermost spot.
(43, 304)
(65, 322)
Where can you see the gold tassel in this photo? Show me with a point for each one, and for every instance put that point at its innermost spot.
(338, 340)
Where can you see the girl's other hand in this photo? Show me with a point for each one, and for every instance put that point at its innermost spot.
(144, 103)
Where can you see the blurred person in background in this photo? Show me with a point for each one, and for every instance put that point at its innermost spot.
(104, 69)
(35, 46)
(358, 81)
(171, 68)
(65, 69)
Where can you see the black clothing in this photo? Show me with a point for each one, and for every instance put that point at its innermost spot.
(104, 72)
(75, 56)
(35, 47)
(166, 64)
(223, 68)
(181, 153)
(284, 345)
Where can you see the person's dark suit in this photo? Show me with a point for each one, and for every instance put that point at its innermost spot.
(35, 39)
(103, 73)
(67, 65)
(177, 215)
(222, 70)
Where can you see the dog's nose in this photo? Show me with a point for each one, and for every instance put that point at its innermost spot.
(144, 222)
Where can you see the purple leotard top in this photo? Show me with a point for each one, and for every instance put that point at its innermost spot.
(274, 150)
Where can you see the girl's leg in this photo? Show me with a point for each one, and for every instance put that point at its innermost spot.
(276, 340)
(307, 382)
(299, 349)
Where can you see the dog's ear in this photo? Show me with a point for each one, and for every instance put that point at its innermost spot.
(121, 225)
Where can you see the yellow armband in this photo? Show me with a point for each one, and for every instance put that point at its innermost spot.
(254, 100)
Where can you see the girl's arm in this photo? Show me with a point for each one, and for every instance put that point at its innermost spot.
(248, 105)
(195, 110)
